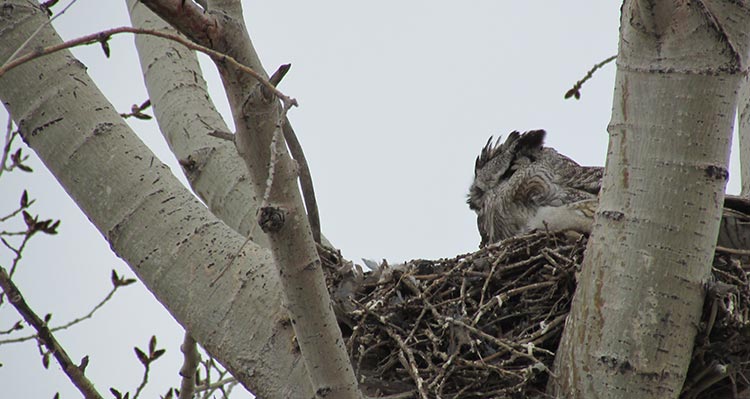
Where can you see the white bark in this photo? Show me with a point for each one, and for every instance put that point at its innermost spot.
(743, 122)
(634, 316)
(186, 115)
(169, 239)
(259, 137)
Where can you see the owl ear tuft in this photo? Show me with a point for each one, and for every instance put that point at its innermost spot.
(531, 140)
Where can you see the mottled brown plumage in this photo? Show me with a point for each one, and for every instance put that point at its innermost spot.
(521, 186)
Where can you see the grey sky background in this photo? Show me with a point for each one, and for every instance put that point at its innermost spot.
(396, 100)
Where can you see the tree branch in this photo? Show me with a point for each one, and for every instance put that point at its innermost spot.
(190, 362)
(74, 372)
(55, 98)
(258, 119)
(103, 37)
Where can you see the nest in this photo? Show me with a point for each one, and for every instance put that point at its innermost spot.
(487, 324)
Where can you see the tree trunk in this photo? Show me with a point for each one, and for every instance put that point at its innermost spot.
(743, 121)
(633, 320)
(260, 142)
(175, 83)
(168, 238)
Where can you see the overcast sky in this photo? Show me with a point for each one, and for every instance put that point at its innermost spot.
(396, 100)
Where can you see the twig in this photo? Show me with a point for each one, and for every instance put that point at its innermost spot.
(407, 359)
(216, 385)
(9, 136)
(15, 327)
(144, 380)
(136, 111)
(295, 148)
(70, 323)
(271, 168)
(713, 375)
(103, 37)
(733, 251)
(190, 362)
(18, 251)
(575, 91)
(36, 32)
(146, 360)
(305, 179)
(74, 372)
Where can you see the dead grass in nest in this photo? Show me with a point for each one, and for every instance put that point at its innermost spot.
(487, 324)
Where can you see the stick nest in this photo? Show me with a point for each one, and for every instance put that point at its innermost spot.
(487, 324)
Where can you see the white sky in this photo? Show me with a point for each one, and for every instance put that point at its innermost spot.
(396, 100)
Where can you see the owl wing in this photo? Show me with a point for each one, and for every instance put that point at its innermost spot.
(569, 173)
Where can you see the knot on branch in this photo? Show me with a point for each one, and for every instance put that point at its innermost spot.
(271, 219)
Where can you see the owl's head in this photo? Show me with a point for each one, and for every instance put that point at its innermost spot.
(498, 161)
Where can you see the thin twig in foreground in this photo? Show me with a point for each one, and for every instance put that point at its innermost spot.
(103, 36)
(575, 91)
(36, 32)
(70, 323)
(45, 336)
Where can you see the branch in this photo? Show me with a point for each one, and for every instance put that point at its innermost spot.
(10, 134)
(104, 36)
(575, 91)
(31, 37)
(74, 372)
(136, 111)
(284, 217)
(146, 361)
(117, 282)
(191, 360)
(305, 179)
(187, 18)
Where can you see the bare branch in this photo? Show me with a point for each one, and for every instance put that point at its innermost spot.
(117, 283)
(146, 359)
(305, 179)
(575, 91)
(31, 37)
(190, 362)
(9, 136)
(136, 111)
(73, 371)
(104, 36)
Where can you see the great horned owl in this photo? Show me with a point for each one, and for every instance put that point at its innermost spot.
(520, 186)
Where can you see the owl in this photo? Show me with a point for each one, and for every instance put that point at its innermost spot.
(521, 186)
